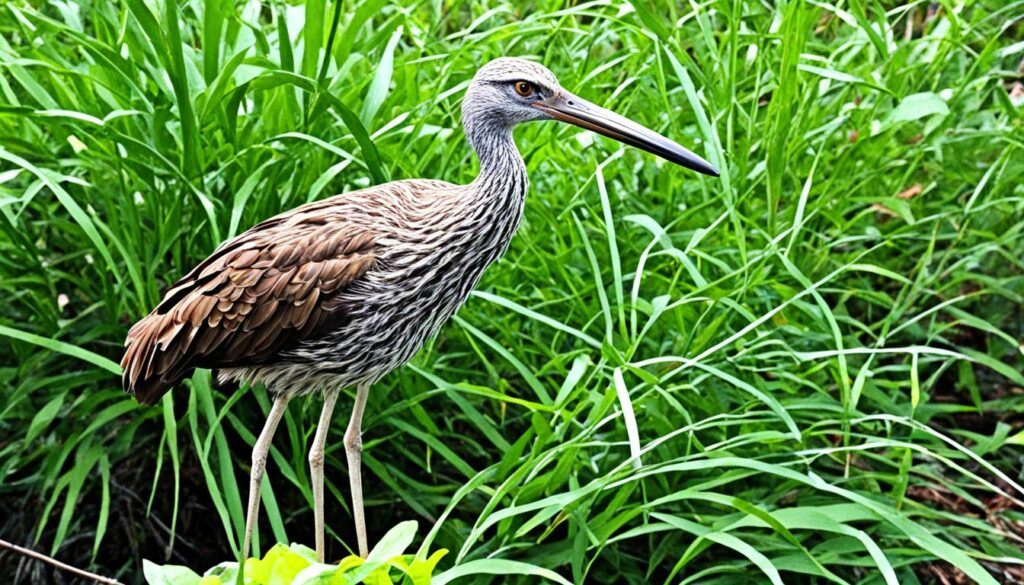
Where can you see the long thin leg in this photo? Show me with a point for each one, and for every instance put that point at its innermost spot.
(354, 451)
(259, 463)
(316, 468)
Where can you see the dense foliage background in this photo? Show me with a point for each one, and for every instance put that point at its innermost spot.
(818, 354)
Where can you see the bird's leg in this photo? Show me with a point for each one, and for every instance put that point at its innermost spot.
(316, 468)
(259, 463)
(354, 450)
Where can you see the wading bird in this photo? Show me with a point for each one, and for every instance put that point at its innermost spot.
(337, 293)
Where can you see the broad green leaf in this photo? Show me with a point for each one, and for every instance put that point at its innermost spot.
(278, 567)
(917, 106)
(168, 574)
(420, 570)
(394, 542)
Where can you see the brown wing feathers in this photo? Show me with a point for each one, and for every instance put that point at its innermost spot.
(258, 294)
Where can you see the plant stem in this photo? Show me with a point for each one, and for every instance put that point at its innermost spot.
(62, 566)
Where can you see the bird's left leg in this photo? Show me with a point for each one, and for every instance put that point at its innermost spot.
(316, 468)
(354, 451)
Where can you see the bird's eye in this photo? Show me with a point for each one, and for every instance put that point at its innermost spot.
(524, 89)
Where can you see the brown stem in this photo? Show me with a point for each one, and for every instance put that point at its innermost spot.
(62, 566)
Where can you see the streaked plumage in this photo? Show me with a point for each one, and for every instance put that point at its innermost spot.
(339, 292)
(314, 297)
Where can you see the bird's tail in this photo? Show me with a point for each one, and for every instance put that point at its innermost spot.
(144, 363)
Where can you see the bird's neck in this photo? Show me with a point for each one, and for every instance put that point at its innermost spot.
(502, 178)
(493, 202)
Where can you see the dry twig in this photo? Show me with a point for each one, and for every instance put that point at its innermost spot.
(62, 566)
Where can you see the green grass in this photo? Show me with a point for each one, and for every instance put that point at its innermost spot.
(824, 375)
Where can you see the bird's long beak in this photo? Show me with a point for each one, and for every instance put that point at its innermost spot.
(579, 112)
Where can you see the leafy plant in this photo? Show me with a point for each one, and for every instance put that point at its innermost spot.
(385, 565)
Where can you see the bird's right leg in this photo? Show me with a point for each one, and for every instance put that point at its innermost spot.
(259, 463)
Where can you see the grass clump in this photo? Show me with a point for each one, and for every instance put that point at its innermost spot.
(820, 351)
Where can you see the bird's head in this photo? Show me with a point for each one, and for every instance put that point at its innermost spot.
(509, 91)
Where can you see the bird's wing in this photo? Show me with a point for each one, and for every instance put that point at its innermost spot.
(258, 294)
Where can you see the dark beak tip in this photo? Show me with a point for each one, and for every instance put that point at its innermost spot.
(701, 166)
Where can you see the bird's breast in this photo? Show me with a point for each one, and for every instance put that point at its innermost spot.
(442, 272)
(424, 273)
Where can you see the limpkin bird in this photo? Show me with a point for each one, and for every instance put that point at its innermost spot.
(337, 293)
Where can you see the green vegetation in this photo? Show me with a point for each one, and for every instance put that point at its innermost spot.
(298, 564)
(806, 370)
